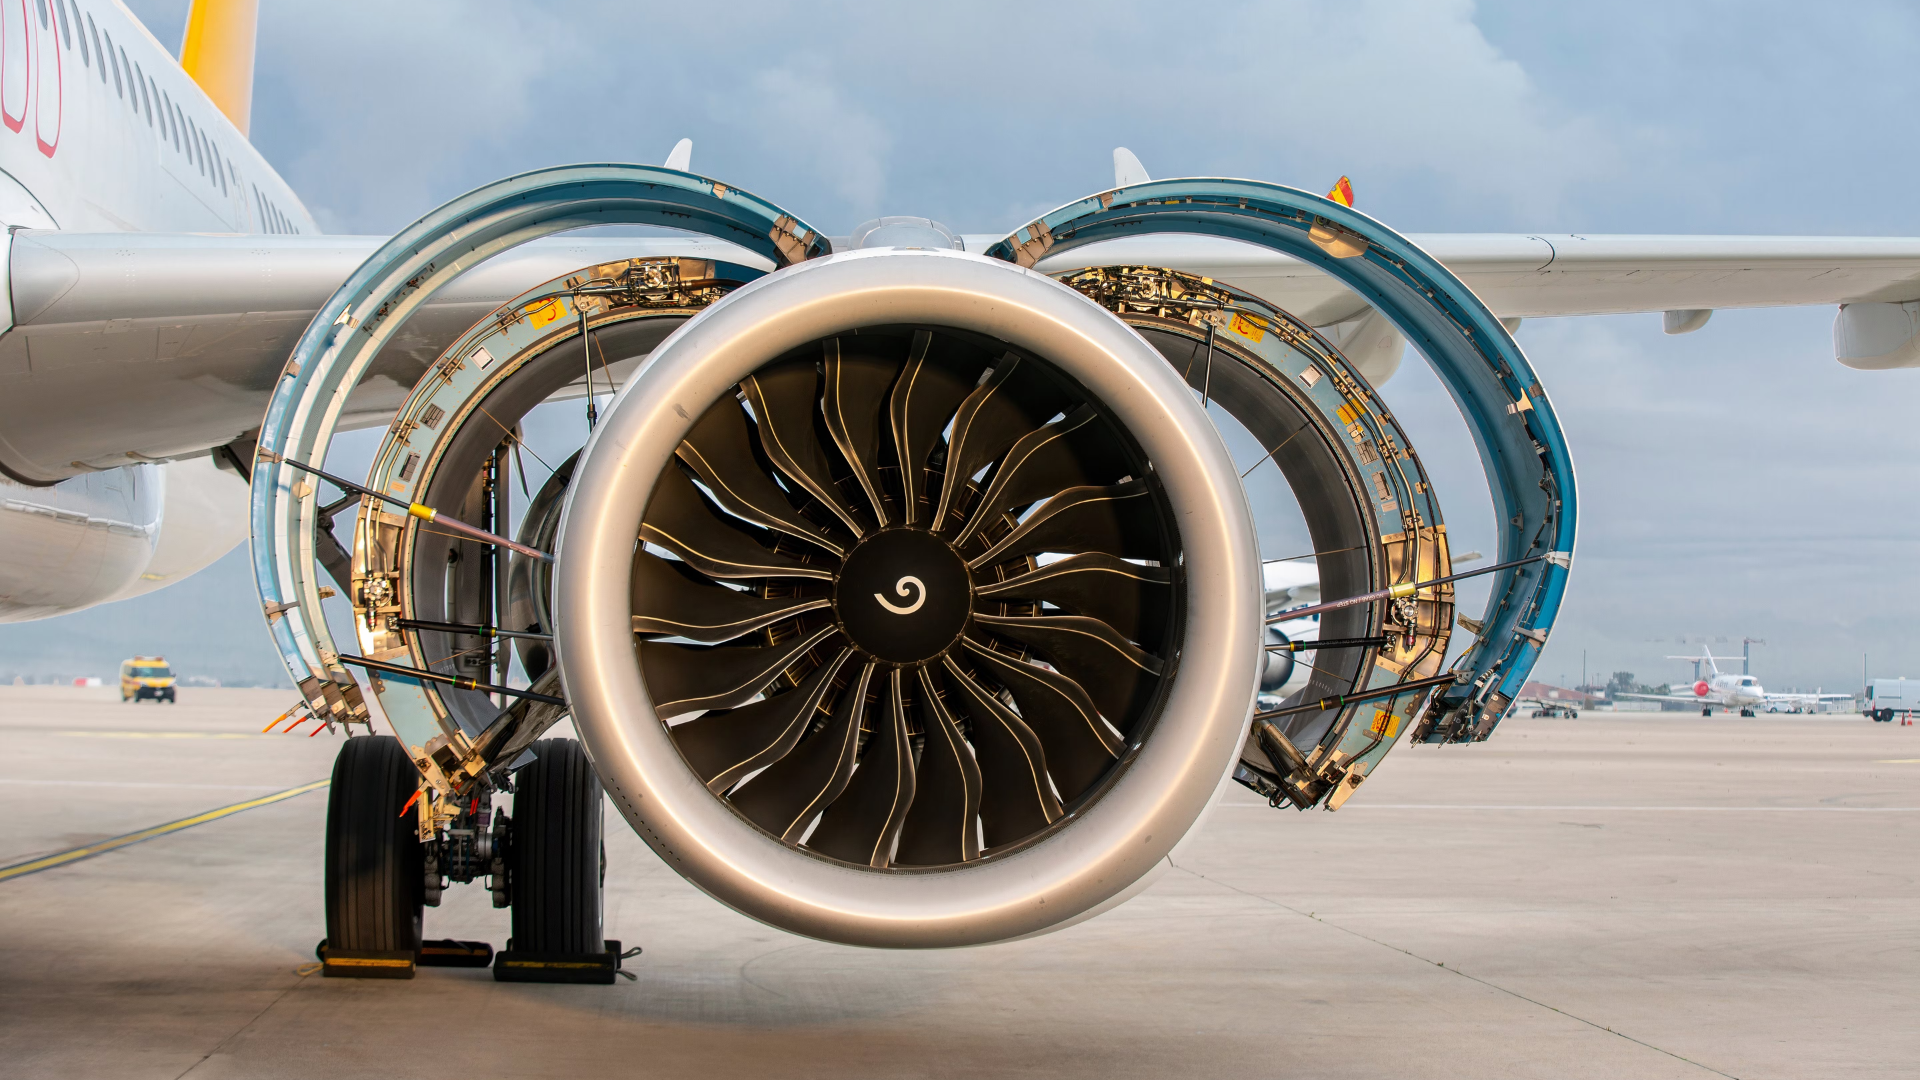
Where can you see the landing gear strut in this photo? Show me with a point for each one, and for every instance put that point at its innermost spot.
(546, 862)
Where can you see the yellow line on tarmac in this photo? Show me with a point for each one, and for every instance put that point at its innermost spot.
(1899, 761)
(73, 855)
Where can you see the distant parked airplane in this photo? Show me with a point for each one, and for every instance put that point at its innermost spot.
(1734, 691)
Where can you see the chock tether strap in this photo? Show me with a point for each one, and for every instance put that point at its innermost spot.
(74, 855)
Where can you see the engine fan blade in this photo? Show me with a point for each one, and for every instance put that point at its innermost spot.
(986, 424)
(1118, 519)
(1072, 451)
(784, 399)
(863, 823)
(924, 400)
(856, 389)
(1116, 674)
(1016, 798)
(666, 601)
(1079, 744)
(719, 450)
(683, 678)
(1013, 401)
(1131, 598)
(943, 824)
(680, 519)
(786, 795)
(723, 746)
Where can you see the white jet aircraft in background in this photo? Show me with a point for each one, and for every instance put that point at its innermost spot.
(1732, 690)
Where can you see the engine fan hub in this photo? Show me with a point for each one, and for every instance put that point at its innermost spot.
(903, 596)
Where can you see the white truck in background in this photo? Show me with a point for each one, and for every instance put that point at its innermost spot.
(1887, 698)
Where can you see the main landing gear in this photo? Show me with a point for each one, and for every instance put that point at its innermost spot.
(546, 862)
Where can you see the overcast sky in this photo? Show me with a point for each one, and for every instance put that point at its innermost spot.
(1733, 482)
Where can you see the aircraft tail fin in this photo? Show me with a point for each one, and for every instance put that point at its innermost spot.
(1127, 170)
(1707, 659)
(217, 52)
(681, 156)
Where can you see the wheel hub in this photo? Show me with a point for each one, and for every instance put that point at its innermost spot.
(903, 596)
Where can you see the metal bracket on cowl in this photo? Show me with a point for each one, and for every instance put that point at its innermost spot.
(334, 697)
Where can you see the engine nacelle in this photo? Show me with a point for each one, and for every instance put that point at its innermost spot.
(114, 534)
(906, 597)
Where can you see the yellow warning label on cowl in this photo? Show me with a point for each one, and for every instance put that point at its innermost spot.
(546, 313)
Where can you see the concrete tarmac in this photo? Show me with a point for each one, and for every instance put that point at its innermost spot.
(1619, 895)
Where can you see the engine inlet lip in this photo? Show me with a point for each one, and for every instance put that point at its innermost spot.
(1115, 842)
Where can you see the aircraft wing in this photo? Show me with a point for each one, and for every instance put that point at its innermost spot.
(1685, 699)
(127, 347)
(1536, 276)
(144, 346)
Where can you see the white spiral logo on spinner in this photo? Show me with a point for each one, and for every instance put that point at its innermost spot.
(900, 588)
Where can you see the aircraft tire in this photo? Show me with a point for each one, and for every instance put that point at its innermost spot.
(557, 863)
(375, 875)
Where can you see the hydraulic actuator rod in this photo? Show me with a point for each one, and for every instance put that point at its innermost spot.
(469, 628)
(1330, 643)
(1338, 700)
(424, 513)
(451, 680)
(1395, 592)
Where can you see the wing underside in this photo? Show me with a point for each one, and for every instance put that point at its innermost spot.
(140, 347)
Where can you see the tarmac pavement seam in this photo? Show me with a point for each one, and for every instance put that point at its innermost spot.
(243, 1028)
(1456, 971)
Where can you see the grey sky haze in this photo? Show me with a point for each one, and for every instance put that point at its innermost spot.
(1736, 481)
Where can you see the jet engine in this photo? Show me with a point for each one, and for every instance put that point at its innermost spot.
(903, 596)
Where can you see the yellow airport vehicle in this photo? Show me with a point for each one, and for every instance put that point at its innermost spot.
(146, 677)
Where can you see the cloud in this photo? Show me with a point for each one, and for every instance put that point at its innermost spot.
(377, 113)
(981, 114)
(814, 124)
